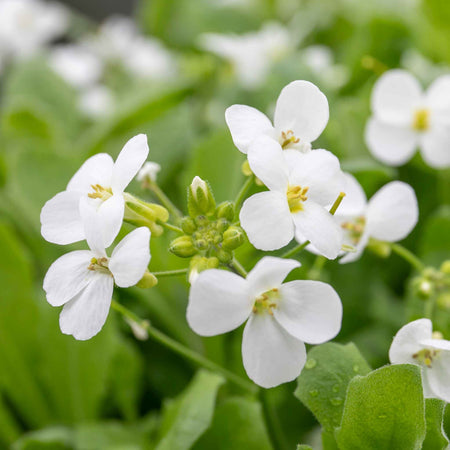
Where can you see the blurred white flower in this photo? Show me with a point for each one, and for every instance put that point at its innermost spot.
(76, 64)
(416, 343)
(149, 172)
(405, 118)
(83, 280)
(301, 115)
(281, 317)
(101, 182)
(301, 185)
(97, 101)
(28, 25)
(251, 54)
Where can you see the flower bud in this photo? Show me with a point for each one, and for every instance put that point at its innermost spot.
(445, 267)
(245, 168)
(188, 225)
(199, 264)
(233, 238)
(443, 301)
(226, 211)
(224, 256)
(201, 221)
(201, 244)
(148, 173)
(200, 198)
(380, 248)
(222, 225)
(147, 281)
(183, 247)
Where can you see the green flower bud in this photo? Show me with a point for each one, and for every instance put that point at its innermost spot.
(188, 225)
(443, 301)
(226, 211)
(201, 221)
(445, 267)
(224, 256)
(147, 281)
(201, 244)
(233, 238)
(380, 248)
(212, 263)
(222, 225)
(200, 198)
(183, 247)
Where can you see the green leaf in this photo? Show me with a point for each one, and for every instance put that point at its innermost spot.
(238, 424)
(187, 418)
(384, 409)
(57, 438)
(304, 447)
(436, 438)
(322, 385)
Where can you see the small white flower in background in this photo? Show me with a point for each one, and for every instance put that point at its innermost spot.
(301, 185)
(76, 64)
(281, 317)
(149, 172)
(301, 115)
(404, 118)
(83, 280)
(97, 101)
(252, 54)
(102, 182)
(389, 216)
(26, 26)
(416, 343)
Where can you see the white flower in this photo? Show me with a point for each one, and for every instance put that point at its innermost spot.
(389, 216)
(83, 280)
(251, 54)
(301, 115)
(76, 64)
(281, 317)
(97, 101)
(300, 186)
(102, 182)
(28, 25)
(405, 118)
(149, 172)
(416, 343)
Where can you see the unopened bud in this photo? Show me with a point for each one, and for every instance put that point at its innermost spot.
(443, 301)
(183, 247)
(147, 281)
(138, 329)
(201, 244)
(201, 221)
(225, 211)
(200, 198)
(188, 225)
(246, 168)
(199, 264)
(233, 238)
(445, 267)
(380, 248)
(149, 172)
(212, 263)
(222, 225)
(224, 256)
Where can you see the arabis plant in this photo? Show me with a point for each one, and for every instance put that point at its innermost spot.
(280, 317)
(405, 118)
(301, 114)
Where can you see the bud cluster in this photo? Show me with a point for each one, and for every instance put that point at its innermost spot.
(434, 283)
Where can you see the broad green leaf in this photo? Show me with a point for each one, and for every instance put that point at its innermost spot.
(322, 385)
(304, 447)
(435, 439)
(57, 438)
(9, 428)
(187, 418)
(238, 424)
(384, 409)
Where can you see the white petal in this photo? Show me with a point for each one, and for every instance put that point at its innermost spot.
(439, 344)
(270, 354)
(267, 220)
(246, 124)
(67, 276)
(391, 144)
(311, 311)
(317, 225)
(110, 215)
(302, 108)
(268, 273)
(320, 171)
(395, 96)
(438, 376)
(435, 147)
(407, 341)
(92, 227)
(392, 212)
(130, 258)
(128, 163)
(60, 219)
(84, 316)
(219, 301)
(355, 201)
(96, 170)
(267, 162)
(437, 96)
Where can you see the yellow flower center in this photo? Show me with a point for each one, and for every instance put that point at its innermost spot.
(266, 302)
(99, 265)
(355, 229)
(296, 195)
(421, 121)
(427, 355)
(100, 192)
(288, 138)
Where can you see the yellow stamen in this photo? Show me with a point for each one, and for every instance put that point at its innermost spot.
(421, 121)
(296, 195)
(100, 192)
(426, 356)
(266, 302)
(288, 138)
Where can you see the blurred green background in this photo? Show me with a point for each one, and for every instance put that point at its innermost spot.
(115, 392)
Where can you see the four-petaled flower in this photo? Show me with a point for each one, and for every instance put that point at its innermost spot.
(301, 185)
(415, 343)
(405, 118)
(281, 317)
(301, 115)
(102, 181)
(83, 280)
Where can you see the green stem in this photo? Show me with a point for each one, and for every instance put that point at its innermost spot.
(183, 351)
(272, 421)
(243, 192)
(408, 256)
(316, 268)
(169, 226)
(238, 267)
(170, 273)
(429, 308)
(166, 202)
